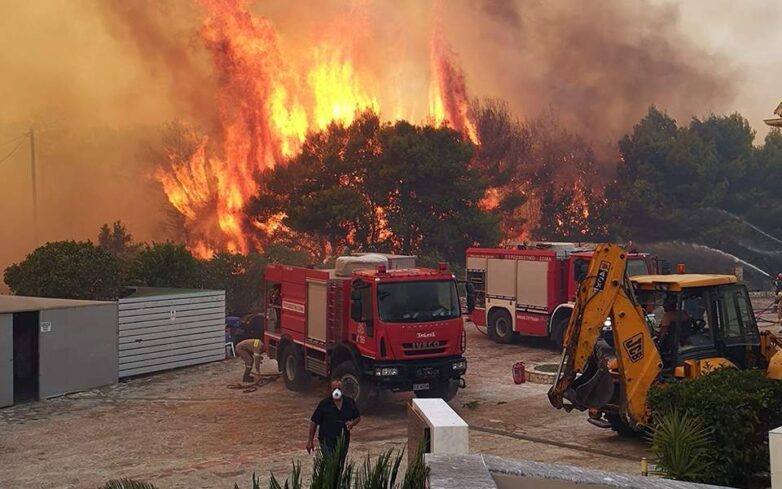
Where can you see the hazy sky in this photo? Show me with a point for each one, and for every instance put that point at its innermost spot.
(749, 34)
(97, 94)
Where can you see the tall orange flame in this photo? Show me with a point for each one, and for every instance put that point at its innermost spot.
(266, 108)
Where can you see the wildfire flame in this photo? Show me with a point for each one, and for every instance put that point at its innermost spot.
(267, 105)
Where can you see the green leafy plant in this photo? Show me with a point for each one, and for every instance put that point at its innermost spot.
(381, 474)
(679, 445)
(127, 484)
(739, 407)
(293, 482)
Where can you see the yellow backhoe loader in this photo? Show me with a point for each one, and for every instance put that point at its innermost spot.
(625, 336)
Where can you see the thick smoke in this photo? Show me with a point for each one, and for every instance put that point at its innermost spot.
(98, 79)
(600, 64)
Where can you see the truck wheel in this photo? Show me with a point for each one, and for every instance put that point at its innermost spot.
(293, 369)
(356, 385)
(620, 427)
(558, 332)
(501, 326)
(445, 391)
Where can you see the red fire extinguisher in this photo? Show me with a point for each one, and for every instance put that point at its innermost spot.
(518, 373)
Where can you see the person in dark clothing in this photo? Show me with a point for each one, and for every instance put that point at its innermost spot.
(334, 417)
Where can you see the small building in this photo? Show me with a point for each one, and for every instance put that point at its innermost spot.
(165, 328)
(50, 347)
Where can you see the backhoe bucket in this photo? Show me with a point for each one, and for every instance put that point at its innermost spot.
(594, 388)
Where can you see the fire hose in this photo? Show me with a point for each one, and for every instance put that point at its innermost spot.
(254, 386)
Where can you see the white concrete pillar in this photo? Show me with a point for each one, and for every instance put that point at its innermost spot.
(449, 432)
(775, 447)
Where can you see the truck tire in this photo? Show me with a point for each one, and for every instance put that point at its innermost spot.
(445, 391)
(296, 378)
(620, 427)
(558, 332)
(356, 385)
(501, 326)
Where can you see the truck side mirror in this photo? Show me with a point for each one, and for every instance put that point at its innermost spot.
(665, 267)
(470, 289)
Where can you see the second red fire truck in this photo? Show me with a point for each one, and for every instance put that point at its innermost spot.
(375, 322)
(529, 289)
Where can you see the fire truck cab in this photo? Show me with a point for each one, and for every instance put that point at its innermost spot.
(529, 289)
(374, 321)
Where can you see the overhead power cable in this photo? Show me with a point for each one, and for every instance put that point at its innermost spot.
(18, 145)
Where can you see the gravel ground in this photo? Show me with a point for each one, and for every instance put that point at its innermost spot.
(185, 428)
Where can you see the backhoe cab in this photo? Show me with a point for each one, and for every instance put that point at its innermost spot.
(663, 327)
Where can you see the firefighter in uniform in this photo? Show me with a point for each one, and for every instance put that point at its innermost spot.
(250, 351)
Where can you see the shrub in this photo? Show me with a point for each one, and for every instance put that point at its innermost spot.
(66, 270)
(165, 265)
(240, 276)
(127, 484)
(679, 445)
(739, 407)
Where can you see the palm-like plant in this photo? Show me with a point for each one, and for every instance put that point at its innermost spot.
(127, 484)
(679, 446)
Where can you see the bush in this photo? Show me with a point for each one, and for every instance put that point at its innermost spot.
(165, 265)
(740, 407)
(679, 445)
(66, 270)
(240, 276)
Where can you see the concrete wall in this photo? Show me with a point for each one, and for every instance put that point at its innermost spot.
(449, 432)
(77, 349)
(775, 444)
(488, 472)
(6, 359)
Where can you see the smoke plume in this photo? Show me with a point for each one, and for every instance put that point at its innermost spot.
(98, 80)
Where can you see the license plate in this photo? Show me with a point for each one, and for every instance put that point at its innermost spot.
(420, 387)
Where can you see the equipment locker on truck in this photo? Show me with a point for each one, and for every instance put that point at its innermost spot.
(529, 290)
(373, 322)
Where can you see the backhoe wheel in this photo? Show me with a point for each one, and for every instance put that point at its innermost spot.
(501, 326)
(445, 391)
(558, 332)
(356, 385)
(296, 378)
(620, 427)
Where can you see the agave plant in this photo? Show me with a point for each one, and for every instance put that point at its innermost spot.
(127, 484)
(679, 446)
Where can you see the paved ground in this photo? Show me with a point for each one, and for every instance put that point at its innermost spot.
(187, 429)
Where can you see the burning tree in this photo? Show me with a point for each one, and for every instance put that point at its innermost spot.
(379, 186)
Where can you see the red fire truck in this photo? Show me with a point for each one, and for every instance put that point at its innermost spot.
(529, 290)
(374, 321)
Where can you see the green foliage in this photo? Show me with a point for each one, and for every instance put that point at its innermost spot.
(68, 270)
(740, 406)
(293, 482)
(380, 474)
(679, 445)
(704, 183)
(417, 473)
(127, 484)
(380, 187)
(116, 240)
(240, 276)
(279, 253)
(329, 471)
(165, 265)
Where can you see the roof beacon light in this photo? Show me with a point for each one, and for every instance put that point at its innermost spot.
(680, 268)
(442, 266)
(381, 269)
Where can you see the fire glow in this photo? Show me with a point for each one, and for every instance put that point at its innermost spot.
(268, 102)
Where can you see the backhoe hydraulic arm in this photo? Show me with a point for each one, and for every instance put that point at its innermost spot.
(593, 375)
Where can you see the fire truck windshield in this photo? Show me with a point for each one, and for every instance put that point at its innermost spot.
(420, 301)
(637, 266)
